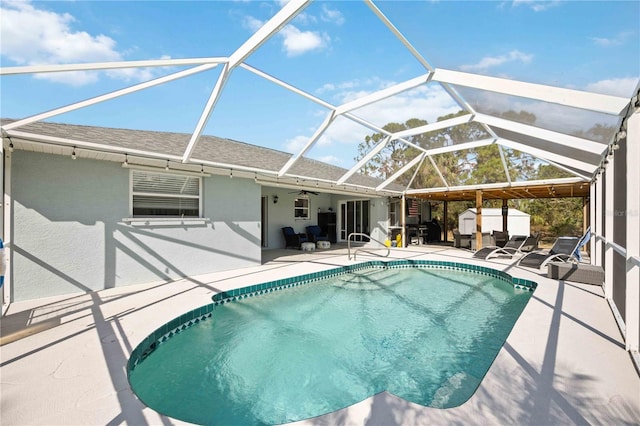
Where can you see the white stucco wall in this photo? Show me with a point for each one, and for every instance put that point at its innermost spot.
(281, 213)
(68, 233)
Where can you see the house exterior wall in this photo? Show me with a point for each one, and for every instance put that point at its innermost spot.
(280, 214)
(69, 235)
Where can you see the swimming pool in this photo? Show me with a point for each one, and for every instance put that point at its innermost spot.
(424, 331)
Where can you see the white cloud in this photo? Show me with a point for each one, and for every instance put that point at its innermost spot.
(297, 42)
(494, 61)
(331, 15)
(304, 18)
(537, 5)
(618, 40)
(623, 87)
(32, 36)
(295, 144)
(251, 23)
(330, 159)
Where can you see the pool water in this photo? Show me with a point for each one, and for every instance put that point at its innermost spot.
(425, 335)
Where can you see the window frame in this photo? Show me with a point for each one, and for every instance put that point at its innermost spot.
(169, 219)
(302, 208)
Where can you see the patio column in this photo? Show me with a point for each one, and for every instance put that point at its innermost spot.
(505, 214)
(586, 218)
(592, 221)
(608, 227)
(403, 221)
(478, 220)
(598, 220)
(445, 212)
(632, 313)
(7, 225)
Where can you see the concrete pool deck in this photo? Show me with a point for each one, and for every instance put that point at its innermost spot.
(63, 360)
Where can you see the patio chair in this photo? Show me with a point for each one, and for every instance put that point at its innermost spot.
(511, 248)
(500, 238)
(314, 234)
(562, 251)
(461, 240)
(486, 241)
(293, 239)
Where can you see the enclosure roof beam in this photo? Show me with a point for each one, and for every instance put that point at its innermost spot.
(539, 133)
(96, 66)
(400, 172)
(606, 104)
(364, 160)
(548, 156)
(270, 28)
(108, 96)
(330, 117)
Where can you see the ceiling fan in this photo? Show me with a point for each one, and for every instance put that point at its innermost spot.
(305, 192)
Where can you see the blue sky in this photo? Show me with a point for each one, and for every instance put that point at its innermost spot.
(336, 51)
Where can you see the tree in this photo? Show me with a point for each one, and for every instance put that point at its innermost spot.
(391, 158)
(475, 166)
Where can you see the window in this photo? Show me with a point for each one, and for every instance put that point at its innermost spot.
(165, 195)
(301, 208)
(394, 212)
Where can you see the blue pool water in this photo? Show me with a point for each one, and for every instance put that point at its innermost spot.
(425, 335)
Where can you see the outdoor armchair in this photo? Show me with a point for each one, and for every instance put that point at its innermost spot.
(461, 240)
(292, 238)
(314, 234)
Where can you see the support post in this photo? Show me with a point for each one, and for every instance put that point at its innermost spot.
(595, 229)
(632, 299)
(445, 213)
(598, 220)
(7, 226)
(586, 219)
(505, 215)
(403, 222)
(608, 228)
(478, 220)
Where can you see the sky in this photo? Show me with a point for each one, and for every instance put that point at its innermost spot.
(335, 51)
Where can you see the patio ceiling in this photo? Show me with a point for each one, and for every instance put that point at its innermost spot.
(502, 192)
(579, 156)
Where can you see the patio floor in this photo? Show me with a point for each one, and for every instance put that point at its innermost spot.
(63, 360)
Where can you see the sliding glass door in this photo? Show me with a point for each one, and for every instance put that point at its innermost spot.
(354, 217)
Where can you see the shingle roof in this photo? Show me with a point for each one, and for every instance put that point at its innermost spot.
(209, 148)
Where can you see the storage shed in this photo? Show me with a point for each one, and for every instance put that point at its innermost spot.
(518, 222)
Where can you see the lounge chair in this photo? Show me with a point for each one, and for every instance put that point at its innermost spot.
(531, 243)
(314, 234)
(562, 251)
(511, 248)
(293, 239)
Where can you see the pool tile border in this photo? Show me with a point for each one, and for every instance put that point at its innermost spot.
(203, 313)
